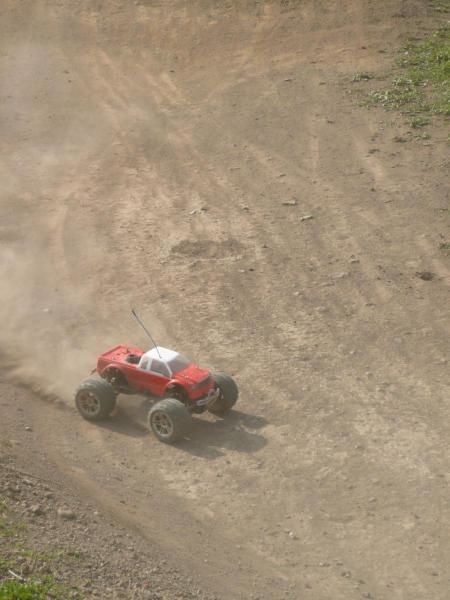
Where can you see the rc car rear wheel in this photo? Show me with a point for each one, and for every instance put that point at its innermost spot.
(229, 393)
(95, 399)
(169, 420)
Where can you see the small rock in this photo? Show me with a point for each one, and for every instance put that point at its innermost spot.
(306, 218)
(36, 509)
(341, 275)
(289, 203)
(66, 513)
(426, 275)
(354, 261)
(321, 309)
(292, 535)
(28, 428)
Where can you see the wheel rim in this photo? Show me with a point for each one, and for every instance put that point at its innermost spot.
(220, 399)
(88, 403)
(162, 424)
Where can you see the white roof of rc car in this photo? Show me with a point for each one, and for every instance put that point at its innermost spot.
(164, 354)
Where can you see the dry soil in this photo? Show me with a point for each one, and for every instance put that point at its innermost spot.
(164, 155)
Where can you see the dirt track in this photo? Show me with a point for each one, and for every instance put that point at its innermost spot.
(165, 159)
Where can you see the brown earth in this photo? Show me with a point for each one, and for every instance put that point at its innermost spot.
(48, 530)
(164, 155)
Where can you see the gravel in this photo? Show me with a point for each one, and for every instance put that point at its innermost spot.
(50, 533)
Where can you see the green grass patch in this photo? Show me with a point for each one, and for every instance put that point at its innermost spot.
(32, 590)
(419, 121)
(17, 590)
(10, 529)
(16, 550)
(40, 555)
(421, 85)
(442, 6)
(362, 76)
(40, 562)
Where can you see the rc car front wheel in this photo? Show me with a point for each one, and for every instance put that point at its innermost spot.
(95, 399)
(228, 394)
(169, 420)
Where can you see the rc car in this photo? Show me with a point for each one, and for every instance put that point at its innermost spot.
(179, 386)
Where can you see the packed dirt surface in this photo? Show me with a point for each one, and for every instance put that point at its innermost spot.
(206, 163)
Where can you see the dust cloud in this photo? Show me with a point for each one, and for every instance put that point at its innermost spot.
(38, 347)
(50, 134)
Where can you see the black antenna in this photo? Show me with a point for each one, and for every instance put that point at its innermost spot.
(133, 312)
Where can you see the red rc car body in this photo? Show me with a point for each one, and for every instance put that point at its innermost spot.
(158, 372)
